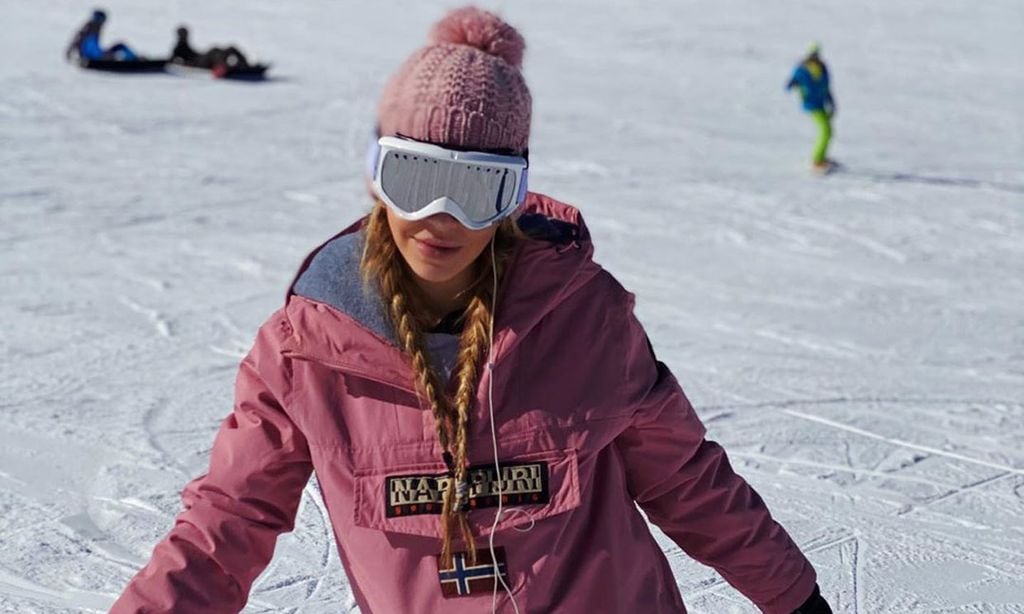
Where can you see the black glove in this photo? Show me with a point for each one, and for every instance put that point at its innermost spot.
(815, 604)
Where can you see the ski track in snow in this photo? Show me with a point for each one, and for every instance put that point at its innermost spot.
(853, 341)
(903, 444)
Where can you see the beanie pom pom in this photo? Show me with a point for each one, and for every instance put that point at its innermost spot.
(482, 30)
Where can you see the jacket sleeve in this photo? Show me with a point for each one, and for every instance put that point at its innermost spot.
(687, 488)
(224, 538)
(74, 44)
(795, 80)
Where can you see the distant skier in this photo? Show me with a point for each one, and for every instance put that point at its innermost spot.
(86, 44)
(218, 59)
(811, 76)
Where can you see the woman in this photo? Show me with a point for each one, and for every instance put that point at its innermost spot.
(479, 404)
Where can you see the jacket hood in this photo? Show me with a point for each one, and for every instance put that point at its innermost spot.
(339, 320)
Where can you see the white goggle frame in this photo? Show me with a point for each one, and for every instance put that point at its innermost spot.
(473, 215)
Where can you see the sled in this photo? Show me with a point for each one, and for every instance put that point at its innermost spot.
(131, 66)
(253, 72)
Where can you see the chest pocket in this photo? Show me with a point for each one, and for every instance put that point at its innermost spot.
(400, 489)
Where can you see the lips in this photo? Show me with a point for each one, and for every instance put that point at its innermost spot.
(435, 248)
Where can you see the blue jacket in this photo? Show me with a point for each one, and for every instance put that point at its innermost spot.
(90, 47)
(86, 43)
(811, 77)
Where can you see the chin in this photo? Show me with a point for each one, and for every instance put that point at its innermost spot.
(434, 274)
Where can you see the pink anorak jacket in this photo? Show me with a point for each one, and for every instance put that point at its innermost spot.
(593, 422)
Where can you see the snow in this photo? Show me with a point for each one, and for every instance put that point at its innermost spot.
(856, 342)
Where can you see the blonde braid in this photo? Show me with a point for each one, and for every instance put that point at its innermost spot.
(381, 261)
(473, 346)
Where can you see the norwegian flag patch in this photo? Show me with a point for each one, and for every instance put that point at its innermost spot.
(463, 579)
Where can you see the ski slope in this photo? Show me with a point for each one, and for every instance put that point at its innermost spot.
(856, 342)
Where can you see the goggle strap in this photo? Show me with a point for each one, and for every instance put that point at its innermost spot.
(372, 156)
(522, 186)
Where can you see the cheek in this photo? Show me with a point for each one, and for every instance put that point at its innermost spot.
(479, 241)
(402, 232)
(398, 226)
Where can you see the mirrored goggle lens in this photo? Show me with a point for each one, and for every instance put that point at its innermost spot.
(414, 181)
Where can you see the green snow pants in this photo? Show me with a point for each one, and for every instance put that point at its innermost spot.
(824, 123)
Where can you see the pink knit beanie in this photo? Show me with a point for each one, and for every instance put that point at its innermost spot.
(464, 89)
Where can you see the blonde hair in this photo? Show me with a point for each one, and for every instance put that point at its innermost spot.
(410, 316)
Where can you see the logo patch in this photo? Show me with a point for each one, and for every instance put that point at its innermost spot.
(521, 484)
(463, 579)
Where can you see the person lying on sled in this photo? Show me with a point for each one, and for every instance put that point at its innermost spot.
(214, 58)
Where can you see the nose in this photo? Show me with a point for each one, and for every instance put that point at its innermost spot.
(442, 221)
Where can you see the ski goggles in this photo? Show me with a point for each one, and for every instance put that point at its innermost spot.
(417, 180)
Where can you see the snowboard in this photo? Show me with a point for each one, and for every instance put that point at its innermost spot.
(830, 166)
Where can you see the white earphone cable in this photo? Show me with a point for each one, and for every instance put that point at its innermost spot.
(494, 441)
